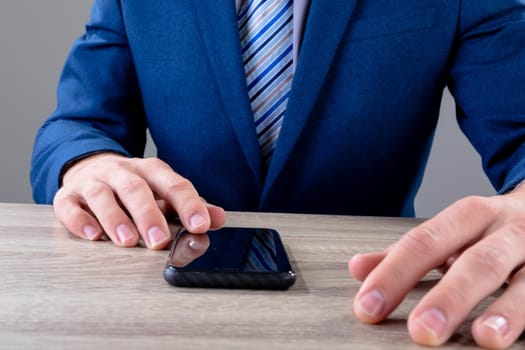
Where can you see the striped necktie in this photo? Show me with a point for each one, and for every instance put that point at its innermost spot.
(265, 29)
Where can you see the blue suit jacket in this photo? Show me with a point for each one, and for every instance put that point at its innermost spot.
(360, 119)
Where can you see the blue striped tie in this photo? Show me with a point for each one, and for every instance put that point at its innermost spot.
(265, 29)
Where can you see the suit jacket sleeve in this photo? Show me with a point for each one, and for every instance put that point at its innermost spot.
(99, 106)
(488, 82)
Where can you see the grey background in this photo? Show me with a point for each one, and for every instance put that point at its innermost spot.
(35, 37)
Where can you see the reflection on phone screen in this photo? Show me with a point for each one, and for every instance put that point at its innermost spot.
(239, 249)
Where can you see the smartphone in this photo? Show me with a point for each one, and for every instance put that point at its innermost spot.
(246, 258)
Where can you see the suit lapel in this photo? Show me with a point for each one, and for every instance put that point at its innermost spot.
(327, 21)
(218, 24)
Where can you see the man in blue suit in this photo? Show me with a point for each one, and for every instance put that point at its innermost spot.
(368, 77)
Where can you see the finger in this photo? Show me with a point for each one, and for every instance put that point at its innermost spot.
(138, 199)
(217, 216)
(476, 274)
(188, 248)
(179, 192)
(361, 265)
(78, 221)
(115, 222)
(504, 320)
(420, 250)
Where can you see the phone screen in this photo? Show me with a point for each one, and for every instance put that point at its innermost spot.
(252, 258)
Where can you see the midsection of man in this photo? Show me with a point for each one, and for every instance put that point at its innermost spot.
(365, 99)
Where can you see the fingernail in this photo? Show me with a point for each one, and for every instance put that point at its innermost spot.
(197, 221)
(90, 232)
(196, 245)
(156, 236)
(497, 323)
(434, 321)
(372, 303)
(124, 233)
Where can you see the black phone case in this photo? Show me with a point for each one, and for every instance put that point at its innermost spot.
(230, 279)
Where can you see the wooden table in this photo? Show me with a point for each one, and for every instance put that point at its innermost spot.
(60, 292)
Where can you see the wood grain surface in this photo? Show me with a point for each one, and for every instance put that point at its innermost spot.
(60, 292)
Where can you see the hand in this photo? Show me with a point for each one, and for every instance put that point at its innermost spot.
(125, 198)
(480, 242)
